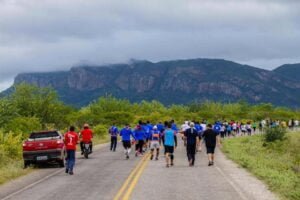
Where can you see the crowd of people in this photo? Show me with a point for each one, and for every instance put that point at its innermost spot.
(145, 136)
(148, 136)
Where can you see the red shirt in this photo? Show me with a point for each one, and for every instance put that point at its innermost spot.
(87, 135)
(71, 139)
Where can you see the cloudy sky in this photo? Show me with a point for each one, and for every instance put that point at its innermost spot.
(47, 35)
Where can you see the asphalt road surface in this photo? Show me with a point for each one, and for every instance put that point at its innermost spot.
(108, 175)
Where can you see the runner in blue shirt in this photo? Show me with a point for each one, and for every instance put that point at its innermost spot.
(199, 129)
(126, 135)
(170, 143)
(154, 142)
(148, 128)
(174, 126)
(113, 131)
(139, 135)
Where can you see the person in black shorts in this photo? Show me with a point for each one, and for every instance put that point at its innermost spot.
(190, 137)
(126, 134)
(211, 139)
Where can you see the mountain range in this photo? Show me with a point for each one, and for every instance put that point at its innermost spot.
(174, 82)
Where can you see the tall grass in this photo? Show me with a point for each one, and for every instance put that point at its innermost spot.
(276, 163)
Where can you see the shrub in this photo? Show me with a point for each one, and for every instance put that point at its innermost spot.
(100, 130)
(275, 133)
(24, 125)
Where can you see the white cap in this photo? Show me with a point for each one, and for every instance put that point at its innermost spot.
(154, 127)
(192, 124)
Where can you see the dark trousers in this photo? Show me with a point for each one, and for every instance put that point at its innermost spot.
(70, 160)
(113, 144)
(139, 146)
(191, 151)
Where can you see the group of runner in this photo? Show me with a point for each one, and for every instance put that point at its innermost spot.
(147, 135)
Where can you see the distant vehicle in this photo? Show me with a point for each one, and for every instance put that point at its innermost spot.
(44, 146)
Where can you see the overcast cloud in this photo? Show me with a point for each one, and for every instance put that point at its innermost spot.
(47, 35)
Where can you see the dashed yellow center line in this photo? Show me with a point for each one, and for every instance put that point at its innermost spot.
(132, 180)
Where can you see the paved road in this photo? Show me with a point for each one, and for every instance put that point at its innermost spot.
(107, 174)
(224, 180)
(99, 177)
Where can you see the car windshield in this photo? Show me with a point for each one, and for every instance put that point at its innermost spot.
(39, 135)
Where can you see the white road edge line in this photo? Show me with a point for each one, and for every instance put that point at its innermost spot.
(232, 184)
(100, 146)
(33, 184)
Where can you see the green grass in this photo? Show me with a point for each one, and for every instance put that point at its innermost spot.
(277, 164)
(12, 170)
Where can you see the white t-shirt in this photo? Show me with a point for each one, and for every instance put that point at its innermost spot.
(222, 128)
(234, 126)
(184, 127)
(203, 126)
(243, 127)
(248, 126)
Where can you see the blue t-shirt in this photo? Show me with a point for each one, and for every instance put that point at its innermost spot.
(199, 128)
(217, 128)
(139, 134)
(113, 131)
(169, 137)
(155, 135)
(160, 127)
(174, 127)
(229, 128)
(126, 133)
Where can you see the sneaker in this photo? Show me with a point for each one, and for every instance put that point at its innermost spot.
(67, 170)
(156, 158)
(172, 164)
(167, 165)
(210, 164)
(127, 157)
(151, 158)
(71, 173)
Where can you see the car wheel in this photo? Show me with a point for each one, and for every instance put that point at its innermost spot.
(26, 164)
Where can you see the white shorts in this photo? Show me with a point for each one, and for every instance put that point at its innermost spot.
(154, 145)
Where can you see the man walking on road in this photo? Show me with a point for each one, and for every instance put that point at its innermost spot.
(139, 135)
(170, 143)
(71, 140)
(125, 134)
(211, 138)
(113, 131)
(154, 142)
(190, 136)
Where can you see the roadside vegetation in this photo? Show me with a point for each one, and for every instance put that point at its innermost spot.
(273, 157)
(30, 108)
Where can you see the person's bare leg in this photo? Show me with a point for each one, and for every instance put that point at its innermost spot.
(152, 152)
(209, 159)
(200, 146)
(167, 159)
(157, 153)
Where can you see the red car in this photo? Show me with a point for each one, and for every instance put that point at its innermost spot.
(44, 146)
